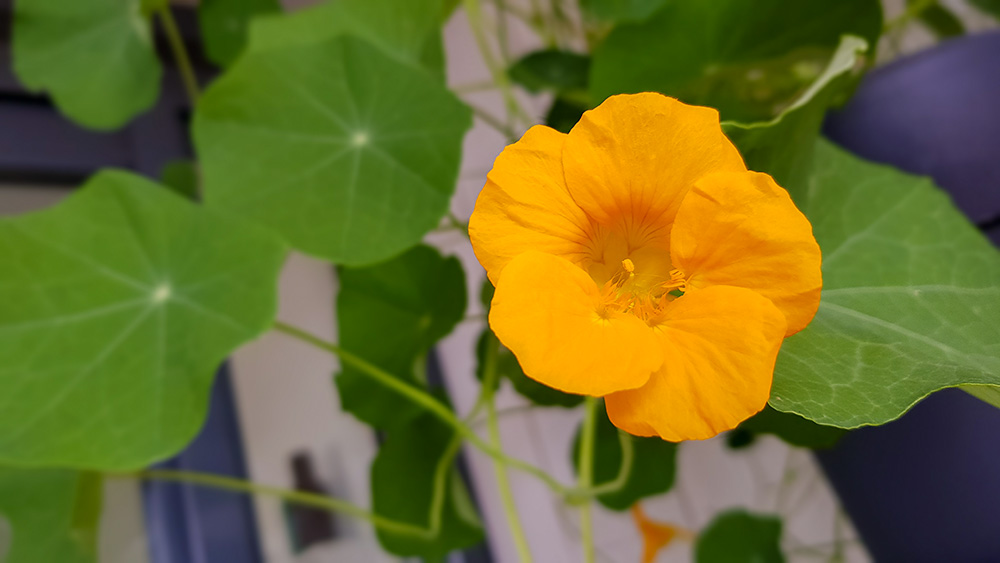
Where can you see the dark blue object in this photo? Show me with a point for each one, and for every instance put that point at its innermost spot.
(927, 486)
(198, 524)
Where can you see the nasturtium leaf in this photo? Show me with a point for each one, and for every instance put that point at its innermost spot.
(617, 11)
(509, 368)
(95, 58)
(224, 25)
(404, 480)
(654, 464)
(551, 70)
(391, 314)
(747, 59)
(407, 30)
(737, 536)
(116, 308)
(181, 176)
(939, 19)
(910, 303)
(564, 114)
(49, 515)
(783, 147)
(350, 155)
(793, 429)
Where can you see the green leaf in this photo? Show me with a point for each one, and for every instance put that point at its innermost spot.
(989, 394)
(415, 463)
(615, 11)
(181, 176)
(224, 25)
(391, 314)
(793, 429)
(747, 59)
(116, 308)
(738, 536)
(551, 70)
(563, 114)
(348, 154)
(509, 368)
(95, 58)
(654, 464)
(940, 20)
(51, 515)
(783, 147)
(407, 30)
(991, 7)
(910, 304)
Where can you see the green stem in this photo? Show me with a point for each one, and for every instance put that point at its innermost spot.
(295, 497)
(628, 455)
(586, 476)
(180, 53)
(424, 399)
(503, 485)
(495, 123)
(474, 12)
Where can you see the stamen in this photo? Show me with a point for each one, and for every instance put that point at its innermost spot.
(628, 265)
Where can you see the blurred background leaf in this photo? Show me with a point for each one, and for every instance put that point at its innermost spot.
(403, 485)
(738, 536)
(792, 429)
(349, 154)
(224, 25)
(181, 176)
(911, 295)
(654, 464)
(95, 58)
(53, 515)
(749, 60)
(391, 314)
(116, 308)
(615, 11)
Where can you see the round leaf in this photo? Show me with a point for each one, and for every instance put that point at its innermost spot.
(94, 57)
(910, 304)
(347, 153)
(224, 25)
(116, 308)
(738, 536)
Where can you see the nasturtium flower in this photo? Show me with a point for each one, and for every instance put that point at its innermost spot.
(637, 259)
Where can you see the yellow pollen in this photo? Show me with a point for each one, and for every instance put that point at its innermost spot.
(628, 265)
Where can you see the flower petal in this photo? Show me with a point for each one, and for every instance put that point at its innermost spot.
(743, 230)
(634, 157)
(719, 347)
(548, 312)
(525, 205)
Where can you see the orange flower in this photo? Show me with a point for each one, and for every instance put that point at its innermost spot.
(636, 258)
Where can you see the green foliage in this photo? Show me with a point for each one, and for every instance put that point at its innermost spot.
(413, 467)
(738, 536)
(224, 25)
(991, 7)
(654, 464)
(911, 297)
(116, 308)
(95, 58)
(551, 70)
(747, 59)
(793, 429)
(391, 314)
(615, 11)
(509, 368)
(52, 515)
(407, 30)
(181, 176)
(940, 20)
(783, 146)
(350, 155)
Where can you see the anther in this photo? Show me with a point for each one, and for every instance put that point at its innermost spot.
(628, 265)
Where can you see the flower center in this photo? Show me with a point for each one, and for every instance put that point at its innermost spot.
(628, 292)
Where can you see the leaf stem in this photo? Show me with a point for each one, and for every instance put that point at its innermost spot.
(628, 455)
(424, 399)
(322, 502)
(474, 13)
(586, 476)
(181, 57)
(503, 484)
